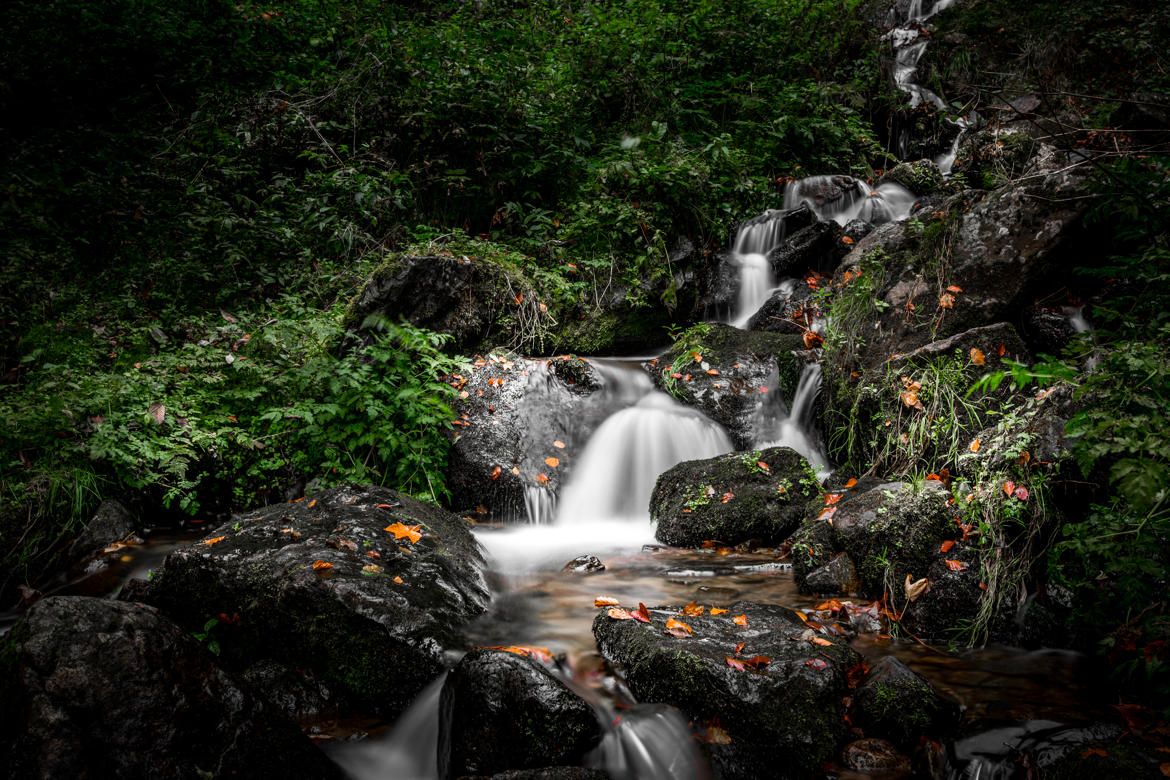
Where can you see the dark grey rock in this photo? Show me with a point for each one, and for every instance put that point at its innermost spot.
(921, 177)
(733, 499)
(874, 755)
(837, 577)
(778, 313)
(111, 523)
(584, 564)
(901, 705)
(101, 688)
(505, 711)
(784, 718)
(320, 585)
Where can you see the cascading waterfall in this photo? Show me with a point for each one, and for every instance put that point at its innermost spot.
(755, 239)
(794, 427)
(842, 199)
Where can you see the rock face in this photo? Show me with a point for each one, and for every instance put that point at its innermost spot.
(784, 716)
(899, 704)
(817, 247)
(464, 297)
(888, 532)
(780, 312)
(734, 498)
(742, 363)
(100, 688)
(110, 523)
(505, 711)
(318, 584)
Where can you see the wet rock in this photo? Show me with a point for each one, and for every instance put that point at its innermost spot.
(783, 717)
(464, 297)
(921, 177)
(817, 247)
(1048, 330)
(732, 498)
(855, 230)
(135, 589)
(837, 577)
(743, 361)
(553, 773)
(584, 564)
(780, 312)
(297, 694)
(874, 755)
(952, 599)
(901, 705)
(505, 711)
(515, 410)
(111, 523)
(986, 159)
(889, 531)
(319, 585)
(94, 687)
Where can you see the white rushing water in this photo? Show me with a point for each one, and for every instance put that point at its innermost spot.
(794, 427)
(842, 199)
(755, 239)
(605, 505)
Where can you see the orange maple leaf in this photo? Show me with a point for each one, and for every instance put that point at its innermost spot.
(402, 531)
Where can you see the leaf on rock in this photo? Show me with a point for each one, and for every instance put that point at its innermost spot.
(641, 613)
(954, 288)
(739, 648)
(402, 531)
(947, 545)
(946, 301)
(718, 611)
(677, 628)
(606, 601)
(560, 445)
(977, 357)
(717, 735)
(728, 496)
(757, 662)
(812, 339)
(542, 654)
(740, 620)
(216, 540)
(542, 478)
(372, 568)
(617, 613)
(916, 589)
(816, 663)
(735, 663)
(693, 609)
(820, 640)
(975, 446)
(552, 463)
(398, 580)
(496, 473)
(956, 565)
(319, 564)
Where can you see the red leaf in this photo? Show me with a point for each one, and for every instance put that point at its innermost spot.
(816, 663)
(641, 613)
(735, 664)
(947, 545)
(956, 565)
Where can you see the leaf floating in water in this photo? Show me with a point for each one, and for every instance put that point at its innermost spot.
(402, 531)
(641, 613)
(677, 628)
(916, 589)
(606, 601)
(740, 620)
(319, 564)
(617, 613)
(216, 540)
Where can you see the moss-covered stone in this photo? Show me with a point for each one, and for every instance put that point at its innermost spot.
(784, 718)
(319, 584)
(734, 498)
(922, 177)
(896, 702)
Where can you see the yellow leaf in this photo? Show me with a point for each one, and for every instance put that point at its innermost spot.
(322, 564)
(401, 531)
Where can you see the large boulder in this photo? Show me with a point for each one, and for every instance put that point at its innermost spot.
(817, 247)
(762, 495)
(364, 587)
(100, 688)
(922, 177)
(782, 312)
(889, 531)
(720, 370)
(502, 710)
(772, 684)
(111, 522)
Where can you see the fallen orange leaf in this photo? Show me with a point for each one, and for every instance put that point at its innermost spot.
(401, 531)
(322, 565)
(560, 445)
(740, 620)
(818, 640)
(946, 301)
(606, 601)
(373, 568)
(757, 662)
(216, 540)
(850, 483)
(542, 478)
(552, 463)
(977, 357)
(718, 611)
(496, 473)
(1008, 488)
(1000, 350)
(693, 609)
(677, 628)
(739, 648)
(947, 545)
(816, 663)
(955, 288)
(713, 371)
(728, 496)
(617, 613)
(955, 565)
(735, 663)
(975, 446)
(717, 736)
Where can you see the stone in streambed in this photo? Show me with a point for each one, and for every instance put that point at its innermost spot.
(319, 585)
(101, 688)
(901, 705)
(837, 577)
(584, 564)
(501, 710)
(111, 523)
(784, 718)
(874, 755)
(733, 498)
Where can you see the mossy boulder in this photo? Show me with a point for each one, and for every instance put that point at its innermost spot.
(987, 158)
(721, 370)
(889, 531)
(921, 177)
(901, 705)
(94, 687)
(319, 584)
(784, 716)
(763, 494)
(501, 710)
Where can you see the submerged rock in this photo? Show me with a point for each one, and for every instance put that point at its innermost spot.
(505, 711)
(874, 755)
(888, 531)
(734, 498)
(321, 584)
(737, 364)
(778, 698)
(100, 688)
(901, 705)
(584, 564)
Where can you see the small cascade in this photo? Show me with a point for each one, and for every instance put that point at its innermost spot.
(615, 474)
(946, 160)
(755, 239)
(794, 427)
(651, 742)
(409, 751)
(843, 199)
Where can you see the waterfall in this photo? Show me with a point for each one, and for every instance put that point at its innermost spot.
(794, 427)
(843, 199)
(755, 239)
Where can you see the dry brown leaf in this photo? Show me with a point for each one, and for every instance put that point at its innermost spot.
(916, 589)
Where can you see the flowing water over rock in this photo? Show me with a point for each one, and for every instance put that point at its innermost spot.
(842, 199)
(794, 427)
